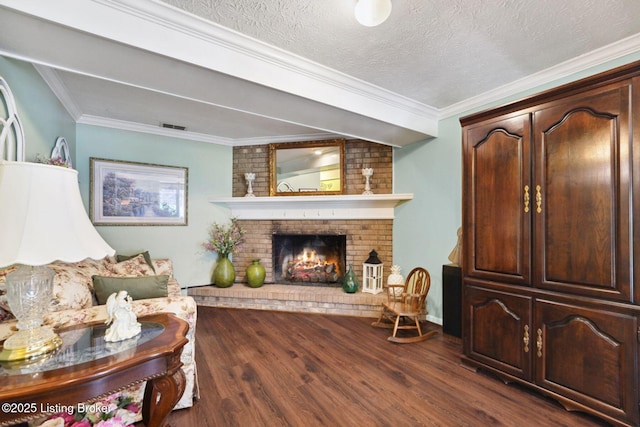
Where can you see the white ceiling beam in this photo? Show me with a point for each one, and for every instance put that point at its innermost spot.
(164, 30)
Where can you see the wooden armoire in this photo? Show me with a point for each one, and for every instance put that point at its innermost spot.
(551, 243)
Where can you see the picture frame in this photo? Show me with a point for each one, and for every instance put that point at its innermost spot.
(134, 193)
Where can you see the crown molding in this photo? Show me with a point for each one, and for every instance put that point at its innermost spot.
(581, 63)
(86, 119)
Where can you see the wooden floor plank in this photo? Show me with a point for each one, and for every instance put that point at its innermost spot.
(261, 368)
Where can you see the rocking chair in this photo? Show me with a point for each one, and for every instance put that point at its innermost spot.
(405, 305)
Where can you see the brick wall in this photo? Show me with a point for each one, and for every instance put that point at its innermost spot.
(253, 158)
(362, 235)
(358, 154)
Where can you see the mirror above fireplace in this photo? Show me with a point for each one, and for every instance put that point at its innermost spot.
(307, 168)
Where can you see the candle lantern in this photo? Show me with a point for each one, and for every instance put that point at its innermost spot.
(372, 274)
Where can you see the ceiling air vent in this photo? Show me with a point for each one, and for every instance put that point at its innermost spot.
(170, 126)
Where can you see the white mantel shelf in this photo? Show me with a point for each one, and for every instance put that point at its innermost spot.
(375, 206)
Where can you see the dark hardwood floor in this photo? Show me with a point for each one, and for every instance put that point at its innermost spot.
(260, 368)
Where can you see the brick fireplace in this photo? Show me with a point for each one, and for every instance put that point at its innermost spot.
(361, 236)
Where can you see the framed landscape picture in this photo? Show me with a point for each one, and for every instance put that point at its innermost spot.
(131, 193)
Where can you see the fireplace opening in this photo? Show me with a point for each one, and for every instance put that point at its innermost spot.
(313, 259)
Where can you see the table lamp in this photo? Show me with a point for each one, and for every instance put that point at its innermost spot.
(42, 219)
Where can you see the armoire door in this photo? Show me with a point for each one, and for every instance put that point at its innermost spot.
(497, 330)
(588, 356)
(581, 186)
(498, 200)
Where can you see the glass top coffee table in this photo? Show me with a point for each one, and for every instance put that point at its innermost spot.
(86, 368)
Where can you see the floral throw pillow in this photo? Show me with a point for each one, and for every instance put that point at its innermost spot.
(163, 266)
(136, 266)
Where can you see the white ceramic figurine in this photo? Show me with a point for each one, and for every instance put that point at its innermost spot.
(124, 324)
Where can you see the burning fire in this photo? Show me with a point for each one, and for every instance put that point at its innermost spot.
(308, 266)
(309, 258)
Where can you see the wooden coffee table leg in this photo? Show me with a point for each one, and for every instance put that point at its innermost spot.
(161, 394)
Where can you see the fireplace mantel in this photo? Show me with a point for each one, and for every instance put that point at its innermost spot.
(375, 206)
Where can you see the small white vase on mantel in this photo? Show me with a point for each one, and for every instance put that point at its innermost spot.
(367, 173)
(250, 177)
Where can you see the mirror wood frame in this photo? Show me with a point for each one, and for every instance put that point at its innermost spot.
(273, 166)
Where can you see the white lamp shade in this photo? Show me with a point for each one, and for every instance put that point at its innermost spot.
(372, 12)
(42, 218)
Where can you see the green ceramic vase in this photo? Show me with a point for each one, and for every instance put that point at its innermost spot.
(255, 274)
(224, 274)
(350, 283)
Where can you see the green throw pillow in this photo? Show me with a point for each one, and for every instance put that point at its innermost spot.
(145, 254)
(138, 287)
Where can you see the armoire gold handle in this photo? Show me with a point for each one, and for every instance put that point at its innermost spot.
(526, 198)
(525, 339)
(539, 342)
(538, 199)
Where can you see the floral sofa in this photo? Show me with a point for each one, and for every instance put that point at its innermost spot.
(75, 302)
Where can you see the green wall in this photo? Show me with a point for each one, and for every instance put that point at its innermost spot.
(209, 168)
(43, 117)
(425, 229)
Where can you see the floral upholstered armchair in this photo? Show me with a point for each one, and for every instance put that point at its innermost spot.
(78, 298)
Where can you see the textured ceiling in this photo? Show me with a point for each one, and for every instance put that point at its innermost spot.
(438, 52)
(244, 72)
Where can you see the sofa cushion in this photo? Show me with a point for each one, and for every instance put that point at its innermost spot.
(136, 266)
(143, 287)
(72, 284)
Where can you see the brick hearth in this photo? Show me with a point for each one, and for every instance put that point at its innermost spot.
(305, 299)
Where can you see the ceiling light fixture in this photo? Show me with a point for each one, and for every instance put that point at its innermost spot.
(372, 12)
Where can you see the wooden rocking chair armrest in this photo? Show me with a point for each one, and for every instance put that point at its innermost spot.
(411, 299)
(412, 295)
